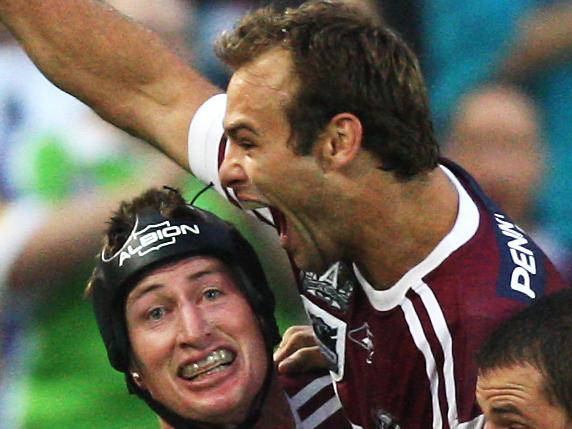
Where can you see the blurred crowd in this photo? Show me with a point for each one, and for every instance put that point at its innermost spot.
(499, 74)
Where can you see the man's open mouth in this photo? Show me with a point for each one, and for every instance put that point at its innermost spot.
(279, 221)
(216, 361)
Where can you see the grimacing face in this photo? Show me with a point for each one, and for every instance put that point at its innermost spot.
(195, 340)
(262, 166)
(514, 398)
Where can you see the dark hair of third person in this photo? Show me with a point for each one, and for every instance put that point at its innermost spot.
(541, 336)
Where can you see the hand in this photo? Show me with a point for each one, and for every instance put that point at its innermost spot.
(299, 352)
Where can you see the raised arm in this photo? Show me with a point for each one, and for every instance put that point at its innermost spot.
(122, 70)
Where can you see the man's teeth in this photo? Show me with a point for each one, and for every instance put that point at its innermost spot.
(214, 360)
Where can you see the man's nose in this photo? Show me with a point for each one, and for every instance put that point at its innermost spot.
(231, 171)
(194, 327)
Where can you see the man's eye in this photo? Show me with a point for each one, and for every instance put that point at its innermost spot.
(212, 294)
(156, 313)
(245, 144)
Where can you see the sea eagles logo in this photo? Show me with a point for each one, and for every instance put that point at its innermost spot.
(335, 286)
(152, 238)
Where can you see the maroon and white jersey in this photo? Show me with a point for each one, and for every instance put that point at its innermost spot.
(314, 402)
(404, 357)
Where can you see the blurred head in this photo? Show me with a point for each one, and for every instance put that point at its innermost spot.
(185, 312)
(495, 136)
(525, 367)
(342, 60)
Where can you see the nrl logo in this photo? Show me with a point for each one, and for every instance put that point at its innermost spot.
(152, 238)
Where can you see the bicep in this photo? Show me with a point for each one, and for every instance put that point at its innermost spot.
(160, 112)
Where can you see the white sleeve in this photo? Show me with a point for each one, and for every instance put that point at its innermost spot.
(206, 140)
(18, 223)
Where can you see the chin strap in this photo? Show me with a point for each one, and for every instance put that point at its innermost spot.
(260, 398)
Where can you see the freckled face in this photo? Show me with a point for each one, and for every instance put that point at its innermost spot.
(195, 340)
(514, 398)
(261, 165)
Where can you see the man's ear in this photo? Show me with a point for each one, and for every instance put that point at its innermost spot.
(342, 140)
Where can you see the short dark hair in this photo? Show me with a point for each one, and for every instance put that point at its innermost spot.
(167, 201)
(122, 221)
(541, 336)
(345, 61)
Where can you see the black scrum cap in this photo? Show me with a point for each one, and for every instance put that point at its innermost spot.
(156, 240)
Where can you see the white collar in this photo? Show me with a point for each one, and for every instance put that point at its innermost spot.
(465, 227)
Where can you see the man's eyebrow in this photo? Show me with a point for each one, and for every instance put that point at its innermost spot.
(151, 287)
(506, 409)
(137, 294)
(232, 129)
(203, 273)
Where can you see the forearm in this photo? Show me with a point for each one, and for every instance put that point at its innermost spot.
(545, 38)
(122, 70)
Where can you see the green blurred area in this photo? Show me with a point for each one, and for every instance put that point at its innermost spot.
(72, 383)
(55, 173)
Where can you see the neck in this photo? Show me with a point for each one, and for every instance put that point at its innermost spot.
(401, 223)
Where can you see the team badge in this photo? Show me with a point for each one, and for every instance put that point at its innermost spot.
(334, 287)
